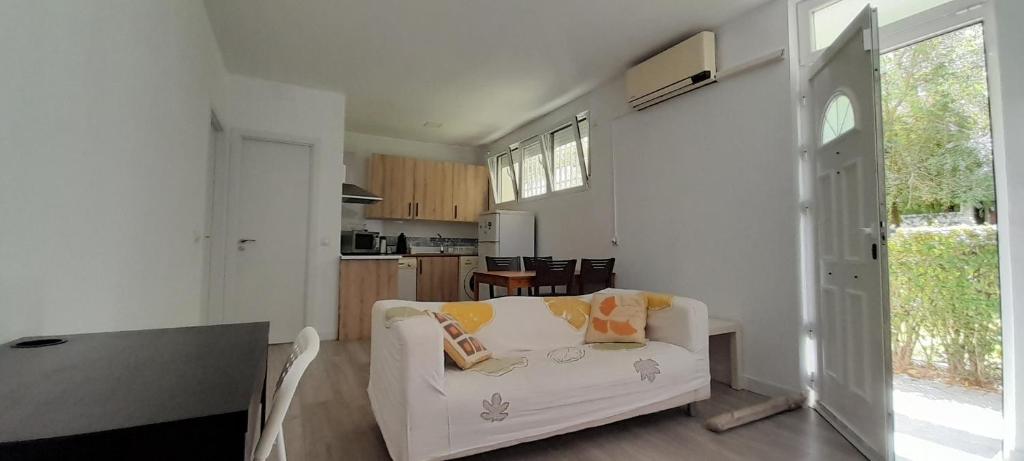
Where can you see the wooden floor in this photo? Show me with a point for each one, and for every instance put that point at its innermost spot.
(330, 419)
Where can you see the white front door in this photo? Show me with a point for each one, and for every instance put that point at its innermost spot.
(854, 379)
(268, 234)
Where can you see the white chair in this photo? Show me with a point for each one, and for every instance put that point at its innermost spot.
(304, 350)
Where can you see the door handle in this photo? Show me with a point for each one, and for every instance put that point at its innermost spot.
(456, 212)
(244, 241)
(874, 251)
(417, 209)
(409, 213)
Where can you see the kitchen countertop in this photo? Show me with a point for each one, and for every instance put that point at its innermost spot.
(431, 255)
(357, 257)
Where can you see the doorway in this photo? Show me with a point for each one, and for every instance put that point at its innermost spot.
(943, 251)
(266, 246)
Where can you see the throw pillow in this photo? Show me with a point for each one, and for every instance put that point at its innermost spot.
(617, 318)
(463, 348)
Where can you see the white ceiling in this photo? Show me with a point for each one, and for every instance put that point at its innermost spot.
(481, 68)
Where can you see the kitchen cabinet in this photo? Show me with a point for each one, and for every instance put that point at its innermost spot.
(433, 190)
(426, 189)
(391, 177)
(437, 278)
(467, 198)
(363, 282)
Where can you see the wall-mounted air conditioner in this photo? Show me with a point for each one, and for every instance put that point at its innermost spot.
(684, 67)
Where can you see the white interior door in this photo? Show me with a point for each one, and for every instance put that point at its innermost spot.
(268, 235)
(854, 378)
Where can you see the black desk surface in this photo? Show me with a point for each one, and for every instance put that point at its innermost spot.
(110, 381)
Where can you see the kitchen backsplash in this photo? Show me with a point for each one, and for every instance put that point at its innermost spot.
(433, 241)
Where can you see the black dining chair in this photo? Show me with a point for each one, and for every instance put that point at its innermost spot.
(529, 264)
(595, 275)
(501, 263)
(554, 273)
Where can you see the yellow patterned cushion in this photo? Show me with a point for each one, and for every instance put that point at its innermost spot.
(617, 318)
(658, 301)
(463, 348)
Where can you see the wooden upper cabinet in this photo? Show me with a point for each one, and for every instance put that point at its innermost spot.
(426, 189)
(469, 194)
(434, 190)
(391, 177)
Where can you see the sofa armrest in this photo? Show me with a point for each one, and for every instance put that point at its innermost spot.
(407, 384)
(685, 324)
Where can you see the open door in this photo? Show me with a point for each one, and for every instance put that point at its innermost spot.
(854, 378)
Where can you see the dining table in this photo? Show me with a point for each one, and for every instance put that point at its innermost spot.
(515, 280)
(192, 393)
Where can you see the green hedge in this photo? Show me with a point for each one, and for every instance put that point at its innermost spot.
(944, 285)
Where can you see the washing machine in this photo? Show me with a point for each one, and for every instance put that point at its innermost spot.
(467, 266)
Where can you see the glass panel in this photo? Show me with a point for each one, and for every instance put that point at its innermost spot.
(505, 184)
(838, 119)
(584, 125)
(534, 180)
(829, 21)
(492, 168)
(566, 171)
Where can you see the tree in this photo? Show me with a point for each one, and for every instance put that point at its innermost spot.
(938, 154)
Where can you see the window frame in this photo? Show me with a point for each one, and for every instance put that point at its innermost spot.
(549, 160)
(907, 31)
(580, 118)
(521, 146)
(494, 165)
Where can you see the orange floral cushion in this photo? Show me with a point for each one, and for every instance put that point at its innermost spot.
(463, 348)
(617, 318)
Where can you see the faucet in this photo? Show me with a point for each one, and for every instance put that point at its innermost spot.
(439, 237)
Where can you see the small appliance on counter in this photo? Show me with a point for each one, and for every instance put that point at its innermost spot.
(360, 242)
(402, 245)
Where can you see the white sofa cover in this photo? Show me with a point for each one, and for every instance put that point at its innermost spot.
(556, 383)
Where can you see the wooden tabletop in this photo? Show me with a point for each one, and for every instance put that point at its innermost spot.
(509, 274)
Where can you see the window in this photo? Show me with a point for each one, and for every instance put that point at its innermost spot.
(502, 179)
(584, 126)
(555, 162)
(534, 180)
(821, 21)
(837, 119)
(566, 159)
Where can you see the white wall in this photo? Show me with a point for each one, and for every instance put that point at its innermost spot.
(707, 192)
(358, 149)
(104, 119)
(269, 107)
(104, 129)
(1009, 14)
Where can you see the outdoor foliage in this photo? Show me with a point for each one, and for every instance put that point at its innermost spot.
(938, 153)
(944, 285)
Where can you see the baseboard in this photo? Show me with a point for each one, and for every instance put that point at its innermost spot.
(766, 388)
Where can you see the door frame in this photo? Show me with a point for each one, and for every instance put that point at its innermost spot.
(226, 182)
(922, 26)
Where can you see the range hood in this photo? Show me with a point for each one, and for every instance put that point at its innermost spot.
(351, 193)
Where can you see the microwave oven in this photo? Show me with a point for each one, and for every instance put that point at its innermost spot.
(360, 242)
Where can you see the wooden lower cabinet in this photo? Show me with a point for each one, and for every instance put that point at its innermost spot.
(437, 278)
(361, 283)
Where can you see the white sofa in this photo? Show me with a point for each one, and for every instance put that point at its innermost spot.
(428, 410)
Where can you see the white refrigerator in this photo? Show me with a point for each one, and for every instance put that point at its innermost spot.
(506, 233)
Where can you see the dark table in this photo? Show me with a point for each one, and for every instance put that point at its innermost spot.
(174, 394)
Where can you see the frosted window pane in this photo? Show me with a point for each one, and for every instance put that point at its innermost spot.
(566, 171)
(838, 119)
(533, 181)
(828, 22)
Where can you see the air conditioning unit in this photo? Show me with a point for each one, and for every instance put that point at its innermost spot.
(682, 68)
